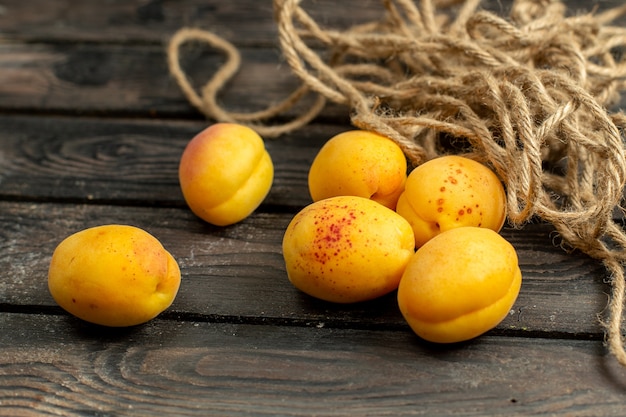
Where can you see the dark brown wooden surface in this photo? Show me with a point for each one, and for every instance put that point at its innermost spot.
(91, 130)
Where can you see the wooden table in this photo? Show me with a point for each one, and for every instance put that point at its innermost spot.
(91, 130)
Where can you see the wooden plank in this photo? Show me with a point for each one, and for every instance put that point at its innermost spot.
(132, 161)
(134, 80)
(132, 77)
(118, 21)
(129, 161)
(243, 22)
(53, 365)
(237, 273)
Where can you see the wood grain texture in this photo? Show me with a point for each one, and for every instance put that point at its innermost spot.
(58, 366)
(237, 273)
(153, 21)
(91, 130)
(133, 80)
(132, 161)
(129, 161)
(62, 69)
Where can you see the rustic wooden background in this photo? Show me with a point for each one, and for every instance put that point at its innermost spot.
(91, 130)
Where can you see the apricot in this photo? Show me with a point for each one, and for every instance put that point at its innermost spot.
(451, 191)
(225, 173)
(359, 163)
(347, 249)
(460, 284)
(113, 275)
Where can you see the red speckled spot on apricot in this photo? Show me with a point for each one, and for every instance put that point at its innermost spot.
(330, 235)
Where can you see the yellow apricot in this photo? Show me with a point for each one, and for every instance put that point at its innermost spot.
(451, 191)
(459, 284)
(113, 275)
(359, 163)
(225, 173)
(347, 249)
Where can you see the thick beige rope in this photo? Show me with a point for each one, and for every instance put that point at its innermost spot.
(527, 95)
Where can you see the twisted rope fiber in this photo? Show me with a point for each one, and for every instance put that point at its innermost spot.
(527, 95)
